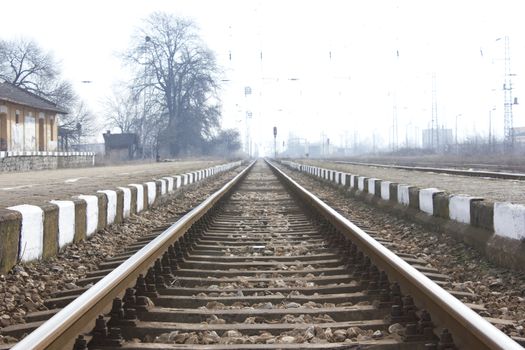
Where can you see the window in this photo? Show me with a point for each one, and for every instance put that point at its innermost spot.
(17, 117)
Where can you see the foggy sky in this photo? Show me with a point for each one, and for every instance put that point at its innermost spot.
(348, 60)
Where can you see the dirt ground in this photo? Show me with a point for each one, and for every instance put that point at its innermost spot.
(489, 188)
(39, 187)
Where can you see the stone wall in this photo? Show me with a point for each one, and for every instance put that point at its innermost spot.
(25, 161)
(76, 161)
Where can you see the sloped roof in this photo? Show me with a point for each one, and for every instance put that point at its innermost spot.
(14, 94)
(123, 140)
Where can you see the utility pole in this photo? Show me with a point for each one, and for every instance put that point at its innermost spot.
(394, 126)
(491, 143)
(434, 138)
(346, 142)
(457, 146)
(322, 144)
(248, 140)
(407, 143)
(248, 115)
(147, 40)
(395, 140)
(508, 123)
(490, 130)
(275, 142)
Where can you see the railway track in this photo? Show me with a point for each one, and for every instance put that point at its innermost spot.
(263, 264)
(451, 171)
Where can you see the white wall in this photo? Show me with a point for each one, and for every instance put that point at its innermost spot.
(17, 137)
(29, 133)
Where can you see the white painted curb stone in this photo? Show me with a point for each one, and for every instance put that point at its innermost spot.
(126, 210)
(361, 183)
(170, 183)
(112, 205)
(352, 181)
(163, 186)
(402, 194)
(152, 192)
(459, 208)
(385, 190)
(372, 185)
(91, 213)
(140, 197)
(32, 233)
(66, 222)
(426, 201)
(509, 220)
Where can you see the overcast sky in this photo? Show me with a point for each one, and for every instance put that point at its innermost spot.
(327, 67)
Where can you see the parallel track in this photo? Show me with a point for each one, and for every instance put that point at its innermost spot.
(451, 171)
(265, 265)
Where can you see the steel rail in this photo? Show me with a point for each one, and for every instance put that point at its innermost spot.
(470, 330)
(60, 331)
(473, 173)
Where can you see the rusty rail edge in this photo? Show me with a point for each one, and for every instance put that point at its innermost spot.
(59, 332)
(470, 331)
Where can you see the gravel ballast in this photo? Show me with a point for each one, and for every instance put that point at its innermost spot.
(25, 288)
(500, 290)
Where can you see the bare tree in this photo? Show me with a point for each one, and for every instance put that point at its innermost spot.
(172, 63)
(80, 122)
(124, 111)
(23, 63)
(133, 114)
(226, 143)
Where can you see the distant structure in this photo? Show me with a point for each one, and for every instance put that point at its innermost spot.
(314, 150)
(297, 147)
(97, 148)
(508, 122)
(28, 123)
(429, 137)
(435, 140)
(519, 134)
(120, 147)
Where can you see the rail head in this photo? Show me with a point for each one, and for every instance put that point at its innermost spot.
(470, 330)
(60, 331)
